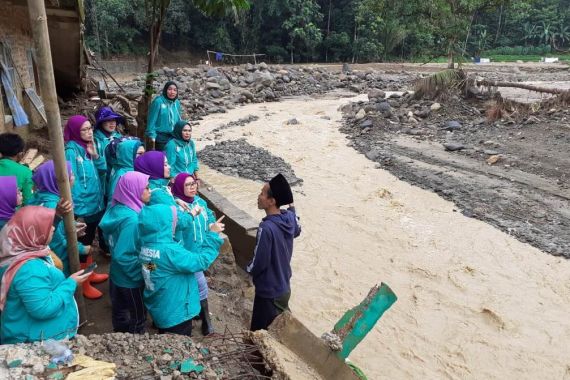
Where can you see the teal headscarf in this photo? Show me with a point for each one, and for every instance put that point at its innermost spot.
(177, 131)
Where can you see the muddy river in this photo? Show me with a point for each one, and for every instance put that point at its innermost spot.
(473, 301)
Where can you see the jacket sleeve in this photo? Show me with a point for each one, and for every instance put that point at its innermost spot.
(262, 252)
(125, 250)
(184, 261)
(40, 300)
(101, 162)
(152, 119)
(170, 151)
(297, 221)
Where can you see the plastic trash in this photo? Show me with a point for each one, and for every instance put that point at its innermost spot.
(59, 352)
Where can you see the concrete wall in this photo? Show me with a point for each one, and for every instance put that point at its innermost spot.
(240, 227)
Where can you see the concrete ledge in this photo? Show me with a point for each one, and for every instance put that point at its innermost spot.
(240, 227)
(294, 335)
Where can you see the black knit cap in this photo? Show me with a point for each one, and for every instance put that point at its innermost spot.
(281, 190)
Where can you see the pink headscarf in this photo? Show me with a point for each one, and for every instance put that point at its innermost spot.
(129, 190)
(25, 237)
(72, 131)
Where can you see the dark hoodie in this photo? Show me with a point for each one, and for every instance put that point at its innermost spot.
(271, 264)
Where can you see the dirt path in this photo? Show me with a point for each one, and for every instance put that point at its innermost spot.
(473, 301)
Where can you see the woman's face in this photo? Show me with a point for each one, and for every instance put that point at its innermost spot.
(171, 92)
(166, 169)
(109, 126)
(187, 132)
(140, 151)
(190, 187)
(86, 132)
(145, 196)
(19, 198)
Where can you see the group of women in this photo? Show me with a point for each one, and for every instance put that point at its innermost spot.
(148, 216)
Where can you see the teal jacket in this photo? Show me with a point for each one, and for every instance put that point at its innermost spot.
(181, 156)
(39, 305)
(171, 291)
(87, 193)
(124, 162)
(160, 194)
(101, 142)
(58, 243)
(119, 226)
(3, 223)
(162, 116)
(192, 236)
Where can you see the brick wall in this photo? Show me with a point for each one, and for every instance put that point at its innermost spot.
(15, 30)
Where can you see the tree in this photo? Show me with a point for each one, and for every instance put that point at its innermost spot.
(156, 13)
(301, 25)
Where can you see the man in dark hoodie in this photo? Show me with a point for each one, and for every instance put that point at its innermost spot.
(271, 264)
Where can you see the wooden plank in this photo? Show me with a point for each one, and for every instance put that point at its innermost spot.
(29, 156)
(37, 162)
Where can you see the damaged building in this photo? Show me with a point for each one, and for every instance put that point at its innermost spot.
(21, 106)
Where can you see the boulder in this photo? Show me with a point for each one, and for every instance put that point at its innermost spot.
(375, 93)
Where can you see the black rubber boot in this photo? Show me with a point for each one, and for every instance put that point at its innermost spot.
(207, 327)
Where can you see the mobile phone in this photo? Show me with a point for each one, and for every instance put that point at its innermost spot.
(90, 268)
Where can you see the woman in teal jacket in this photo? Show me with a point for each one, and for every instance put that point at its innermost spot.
(171, 291)
(165, 111)
(47, 195)
(105, 131)
(185, 188)
(120, 229)
(125, 152)
(155, 165)
(86, 192)
(181, 150)
(35, 297)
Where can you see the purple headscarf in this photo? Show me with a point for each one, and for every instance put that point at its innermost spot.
(44, 177)
(8, 197)
(129, 190)
(151, 163)
(178, 187)
(72, 131)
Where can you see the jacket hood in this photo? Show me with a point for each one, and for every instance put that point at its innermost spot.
(285, 222)
(157, 224)
(114, 217)
(126, 154)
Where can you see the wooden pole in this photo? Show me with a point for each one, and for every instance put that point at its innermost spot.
(38, 21)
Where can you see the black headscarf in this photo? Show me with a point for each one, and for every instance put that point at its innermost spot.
(165, 89)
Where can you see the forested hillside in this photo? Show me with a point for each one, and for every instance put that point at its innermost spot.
(339, 30)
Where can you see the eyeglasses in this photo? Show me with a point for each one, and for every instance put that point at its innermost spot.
(90, 129)
(191, 184)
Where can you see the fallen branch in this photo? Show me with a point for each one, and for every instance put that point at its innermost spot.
(554, 91)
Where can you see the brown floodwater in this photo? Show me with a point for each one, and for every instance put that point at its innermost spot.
(473, 301)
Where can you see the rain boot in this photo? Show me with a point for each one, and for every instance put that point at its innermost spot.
(88, 290)
(96, 277)
(207, 327)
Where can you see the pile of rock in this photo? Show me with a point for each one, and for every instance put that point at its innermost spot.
(206, 90)
(241, 159)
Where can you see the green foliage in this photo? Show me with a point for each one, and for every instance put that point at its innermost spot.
(338, 30)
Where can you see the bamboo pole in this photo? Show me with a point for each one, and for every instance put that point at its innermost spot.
(38, 21)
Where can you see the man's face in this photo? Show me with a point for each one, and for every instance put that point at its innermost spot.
(264, 201)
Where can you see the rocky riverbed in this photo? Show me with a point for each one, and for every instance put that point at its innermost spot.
(512, 172)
